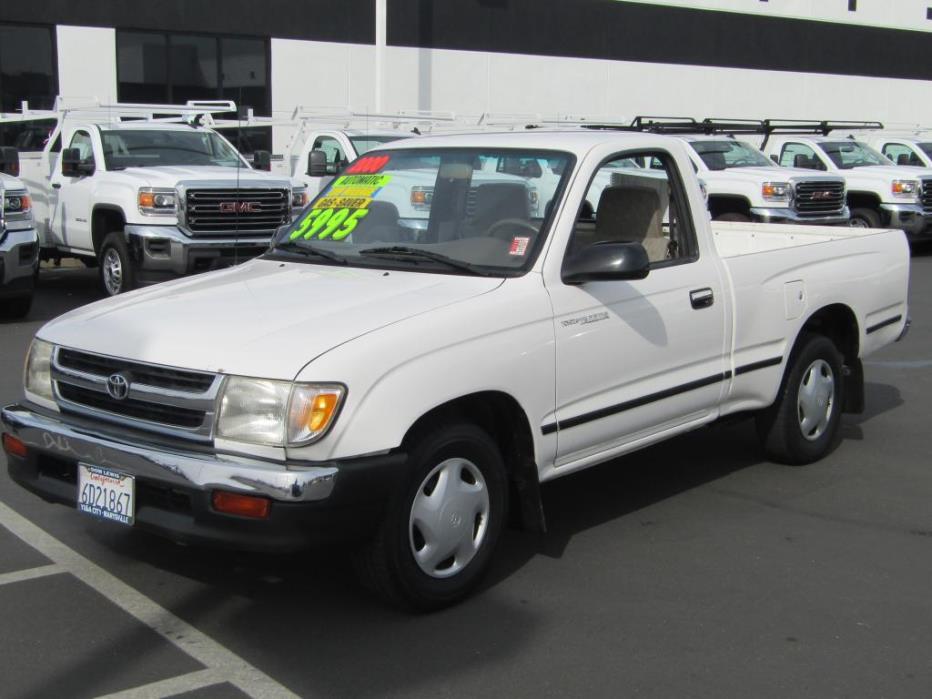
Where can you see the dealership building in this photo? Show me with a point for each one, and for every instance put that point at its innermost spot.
(813, 59)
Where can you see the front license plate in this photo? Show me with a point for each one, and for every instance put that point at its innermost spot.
(106, 494)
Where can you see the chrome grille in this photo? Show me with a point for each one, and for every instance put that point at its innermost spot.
(819, 197)
(176, 402)
(226, 211)
(927, 196)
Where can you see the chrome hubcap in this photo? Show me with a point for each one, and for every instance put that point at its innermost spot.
(113, 272)
(816, 400)
(449, 518)
(858, 223)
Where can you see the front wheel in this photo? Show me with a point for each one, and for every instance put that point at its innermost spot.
(116, 268)
(864, 218)
(803, 424)
(438, 535)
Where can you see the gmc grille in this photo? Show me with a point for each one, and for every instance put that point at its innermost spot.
(819, 198)
(226, 211)
(927, 196)
(176, 402)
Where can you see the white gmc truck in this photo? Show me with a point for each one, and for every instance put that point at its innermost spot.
(880, 193)
(147, 200)
(19, 244)
(400, 392)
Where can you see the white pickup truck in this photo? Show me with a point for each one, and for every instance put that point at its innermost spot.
(360, 384)
(19, 244)
(880, 193)
(147, 200)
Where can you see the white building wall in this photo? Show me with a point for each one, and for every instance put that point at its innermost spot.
(87, 62)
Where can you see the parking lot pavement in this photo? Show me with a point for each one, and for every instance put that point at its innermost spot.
(694, 568)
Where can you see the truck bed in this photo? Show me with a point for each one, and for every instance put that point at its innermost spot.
(736, 239)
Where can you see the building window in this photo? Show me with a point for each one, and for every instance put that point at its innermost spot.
(27, 67)
(159, 68)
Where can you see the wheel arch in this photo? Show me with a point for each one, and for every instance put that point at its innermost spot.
(105, 219)
(839, 323)
(720, 204)
(506, 422)
(858, 199)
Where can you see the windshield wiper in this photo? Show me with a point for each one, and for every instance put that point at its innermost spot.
(402, 251)
(309, 251)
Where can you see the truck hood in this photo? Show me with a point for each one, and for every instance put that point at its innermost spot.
(264, 318)
(887, 172)
(170, 176)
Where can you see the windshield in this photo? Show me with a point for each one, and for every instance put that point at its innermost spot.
(851, 154)
(410, 208)
(142, 148)
(363, 144)
(721, 155)
(926, 148)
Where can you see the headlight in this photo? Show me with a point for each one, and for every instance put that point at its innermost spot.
(277, 413)
(775, 191)
(908, 189)
(37, 377)
(298, 198)
(17, 203)
(154, 201)
(421, 197)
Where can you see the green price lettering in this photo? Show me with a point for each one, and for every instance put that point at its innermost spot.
(349, 225)
(333, 223)
(305, 224)
(328, 223)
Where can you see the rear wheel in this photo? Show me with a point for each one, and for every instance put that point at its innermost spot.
(438, 535)
(116, 268)
(803, 424)
(864, 218)
(16, 307)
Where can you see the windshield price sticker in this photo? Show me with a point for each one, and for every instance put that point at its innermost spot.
(106, 494)
(340, 202)
(368, 164)
(335, 224)
(376, 181)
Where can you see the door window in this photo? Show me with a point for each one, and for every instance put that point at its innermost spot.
(638, 205)
(331, 148)
(801, 156)
(901, 155)
(82, 141)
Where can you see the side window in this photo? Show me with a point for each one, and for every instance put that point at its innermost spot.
(799, 155)
(637, 205)
(82, 141)
(900, 154)
(335, 157)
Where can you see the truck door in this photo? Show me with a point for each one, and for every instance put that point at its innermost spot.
(636, 358)
(71, 218)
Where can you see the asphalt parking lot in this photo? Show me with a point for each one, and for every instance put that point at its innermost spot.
(692, 569)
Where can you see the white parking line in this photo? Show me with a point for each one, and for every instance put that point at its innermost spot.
(30, 573)
(170, 687)
(216, 658)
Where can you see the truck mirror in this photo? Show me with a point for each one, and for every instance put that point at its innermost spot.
(902, 159)
(9, 161)
(317, 163)
(71, 162)
(262, 160)
(607, 261)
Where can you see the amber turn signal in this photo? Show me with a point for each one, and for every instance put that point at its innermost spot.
(241, 505)
(14, 446)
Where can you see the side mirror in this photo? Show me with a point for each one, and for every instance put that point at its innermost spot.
(903, 159)
(775, 158)
(262, 160)
(317, 163)
(9, 161)
(603, 262)
(71, 162)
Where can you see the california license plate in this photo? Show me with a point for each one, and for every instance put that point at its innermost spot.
(106, 494)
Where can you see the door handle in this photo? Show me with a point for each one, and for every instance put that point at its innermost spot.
(701, 298)
(56, 185)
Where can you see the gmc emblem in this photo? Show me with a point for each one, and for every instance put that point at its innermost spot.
(239, 207)
(823, 195)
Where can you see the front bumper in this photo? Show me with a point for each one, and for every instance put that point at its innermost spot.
(311, 503)
(909, 218)
(19, 255)
(165, 252)
(786, 215)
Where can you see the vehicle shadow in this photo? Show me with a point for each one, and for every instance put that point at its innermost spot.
(62, 289)
(880, 398)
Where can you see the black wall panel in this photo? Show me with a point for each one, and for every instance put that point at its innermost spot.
(350, 21)
(649, 33)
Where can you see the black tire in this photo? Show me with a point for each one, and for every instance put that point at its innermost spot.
(117, 274)
(16, 307)
(387, 563)
(781, 427)
(736, 217)
(864, 218)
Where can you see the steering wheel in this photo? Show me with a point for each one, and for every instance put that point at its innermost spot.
(498, 227)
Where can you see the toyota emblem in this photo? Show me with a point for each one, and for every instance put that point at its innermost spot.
(118, 386)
